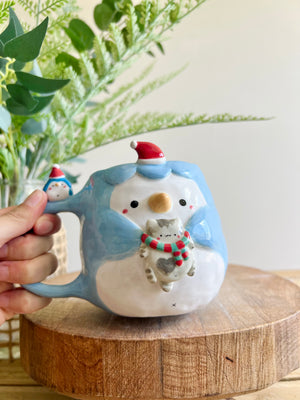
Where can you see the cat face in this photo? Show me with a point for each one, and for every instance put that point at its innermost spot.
(165, 230)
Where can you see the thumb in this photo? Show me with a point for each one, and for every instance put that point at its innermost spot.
(21, 219)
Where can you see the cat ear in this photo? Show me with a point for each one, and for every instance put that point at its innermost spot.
(151, 226)
(179, 224)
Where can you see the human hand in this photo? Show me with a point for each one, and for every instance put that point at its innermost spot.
(25, 239)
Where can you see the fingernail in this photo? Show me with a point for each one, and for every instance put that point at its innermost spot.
(34, 199)
(44, 226)
(3, 251)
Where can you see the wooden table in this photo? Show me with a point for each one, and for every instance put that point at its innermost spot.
(15, 384)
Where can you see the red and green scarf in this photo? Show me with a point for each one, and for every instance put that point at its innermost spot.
(178, 249)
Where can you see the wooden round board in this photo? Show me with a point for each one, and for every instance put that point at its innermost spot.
(244, 340)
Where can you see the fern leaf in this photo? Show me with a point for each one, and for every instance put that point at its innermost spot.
(75, 89)
(113, 52)
(103, 58)
(4, 10)
(122, 90)
(115, 131)
(28, 6)
(149, 122)
(98, 136)
(116, 42)
(145, 14)
(154, 11)
(132, 28)
(52, 126)
(81, 143)
(49, 6)
(61, 107)
(58, 22)
(132, 98)
(50, 50)
(154, 121)
(89, 75)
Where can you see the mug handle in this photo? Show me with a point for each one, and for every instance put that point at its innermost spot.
(76, 287)
(72, 289)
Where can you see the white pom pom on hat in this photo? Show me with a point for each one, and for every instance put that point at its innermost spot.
(148, 153)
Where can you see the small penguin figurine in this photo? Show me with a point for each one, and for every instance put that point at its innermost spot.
(57, 187)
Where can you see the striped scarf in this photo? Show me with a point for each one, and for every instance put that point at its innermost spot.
(178, 249)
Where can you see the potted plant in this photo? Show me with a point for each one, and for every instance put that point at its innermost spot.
(57, 97)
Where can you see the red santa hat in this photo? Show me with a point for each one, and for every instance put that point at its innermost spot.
(56, 172)
(148, 153)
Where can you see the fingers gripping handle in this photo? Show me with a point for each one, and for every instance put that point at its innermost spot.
(74, 288)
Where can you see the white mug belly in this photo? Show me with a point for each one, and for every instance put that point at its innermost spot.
(125, 290)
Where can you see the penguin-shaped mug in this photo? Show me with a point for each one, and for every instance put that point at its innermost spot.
(151, 238)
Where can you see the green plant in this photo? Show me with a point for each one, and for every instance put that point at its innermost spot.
(39, 127)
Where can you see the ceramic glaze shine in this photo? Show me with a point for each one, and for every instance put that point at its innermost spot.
(151, 238)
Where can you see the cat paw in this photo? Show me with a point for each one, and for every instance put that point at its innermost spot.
(150, 275)
(143, 252)
(191, 245)
(191, 271)
(166, 287)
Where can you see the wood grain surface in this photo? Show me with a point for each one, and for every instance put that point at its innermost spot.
(245, 340)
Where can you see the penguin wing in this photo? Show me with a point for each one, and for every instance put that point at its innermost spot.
(201, 232)
(205, 229)
(120, 237)
(199, 229)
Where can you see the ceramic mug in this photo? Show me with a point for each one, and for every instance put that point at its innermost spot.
(151, 238)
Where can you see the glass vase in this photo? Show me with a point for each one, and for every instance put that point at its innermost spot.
(12, 194)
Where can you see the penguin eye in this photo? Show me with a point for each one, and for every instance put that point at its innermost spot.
(134, 204)
(182, 202)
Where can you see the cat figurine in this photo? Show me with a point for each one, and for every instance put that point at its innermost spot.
(167, 250)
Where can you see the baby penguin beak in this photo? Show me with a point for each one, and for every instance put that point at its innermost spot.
(160, 202)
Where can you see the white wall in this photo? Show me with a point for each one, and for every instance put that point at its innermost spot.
(244, 58)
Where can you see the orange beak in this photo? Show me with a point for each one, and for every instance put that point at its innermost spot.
(160, 202)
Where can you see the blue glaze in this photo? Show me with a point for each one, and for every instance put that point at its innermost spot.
(118, 174)
(154, 171)
(108, 235)
(59, 180)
